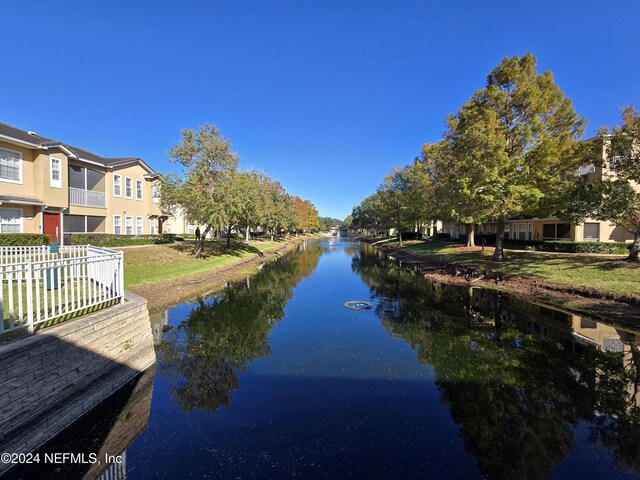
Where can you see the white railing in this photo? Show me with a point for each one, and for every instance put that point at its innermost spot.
(46, 287)
(87, 198)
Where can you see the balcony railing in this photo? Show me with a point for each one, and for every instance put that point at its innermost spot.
(87, 198)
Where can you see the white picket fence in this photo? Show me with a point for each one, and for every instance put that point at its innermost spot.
(40, 287)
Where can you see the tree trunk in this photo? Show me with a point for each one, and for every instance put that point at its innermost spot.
(634, 249)
(229, 237)
(272, 232)
(246, 236)
(399, 238)
(435, 231)
(498, 254)
(200, 248)
(471, 233)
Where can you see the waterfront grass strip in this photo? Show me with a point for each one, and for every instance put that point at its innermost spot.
(602, 273)
(160, 263)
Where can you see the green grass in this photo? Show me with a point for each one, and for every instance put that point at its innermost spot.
(598, 272)
(169, 262)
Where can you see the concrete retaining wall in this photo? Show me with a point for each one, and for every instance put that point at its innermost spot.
(50, 379)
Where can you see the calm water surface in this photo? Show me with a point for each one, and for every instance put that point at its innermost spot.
(275, 378)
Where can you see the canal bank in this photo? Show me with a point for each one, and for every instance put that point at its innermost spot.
(164, 293)
(606, 305)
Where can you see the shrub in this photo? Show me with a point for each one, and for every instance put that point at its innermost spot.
(23, 239)
(102, 240)
(569, 247)
(444, 236)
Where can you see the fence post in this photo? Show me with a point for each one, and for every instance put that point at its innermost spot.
(121, 274)
(29, 287)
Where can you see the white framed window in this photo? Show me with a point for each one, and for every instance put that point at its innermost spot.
(117, 185)
(155, 193)
(191, 228)
(128, 187)
(138, 189)
(117, 225)
(10, 220)
(128, 225)
(139, 226)
(55, 175)
(152, 226)
(10, 166)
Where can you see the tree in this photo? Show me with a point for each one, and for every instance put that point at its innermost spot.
(250, 191)
(514, 143)
(396, 201)
(204, 193)
(368, 214)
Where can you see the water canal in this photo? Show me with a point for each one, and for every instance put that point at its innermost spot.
(275, 378)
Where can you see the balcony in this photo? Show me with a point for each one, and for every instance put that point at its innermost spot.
(87, 198)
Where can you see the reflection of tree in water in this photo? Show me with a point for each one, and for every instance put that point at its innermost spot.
(516, 397)
(221, 336)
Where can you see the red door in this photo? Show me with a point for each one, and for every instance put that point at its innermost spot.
(51, 226)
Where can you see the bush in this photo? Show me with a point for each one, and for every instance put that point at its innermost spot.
(444, 236)
(105, 240)
(23, 239)
(569, 247)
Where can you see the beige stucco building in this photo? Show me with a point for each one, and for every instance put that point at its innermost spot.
(50, 187)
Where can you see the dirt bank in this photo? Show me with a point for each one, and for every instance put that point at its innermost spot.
(161, 295)
(604, 305)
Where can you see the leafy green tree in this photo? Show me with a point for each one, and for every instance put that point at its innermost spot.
(514, 142)
(368, 214)
(396, 201)
(204, 191)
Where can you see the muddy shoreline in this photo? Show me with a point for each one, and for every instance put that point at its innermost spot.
(575, 299)
(165, 294)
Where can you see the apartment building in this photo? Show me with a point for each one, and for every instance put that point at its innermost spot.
(47, 186)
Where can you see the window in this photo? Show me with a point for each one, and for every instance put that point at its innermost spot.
(10, 166)
(152, 226)
(117, 185)
(10, 220)
(139, 227)
(556, 231)
(117, 224)
(138, 189)
(191, 228)
(55, 179)
(591, 232)
(128, 226)
(155, 193)
(128, 187)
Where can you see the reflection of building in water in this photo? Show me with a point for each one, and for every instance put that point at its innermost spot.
(572, 331)
(158, 322)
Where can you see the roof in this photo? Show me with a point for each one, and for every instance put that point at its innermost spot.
(37, 141)
(20, 200)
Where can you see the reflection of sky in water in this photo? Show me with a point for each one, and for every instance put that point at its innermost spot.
(322, 338)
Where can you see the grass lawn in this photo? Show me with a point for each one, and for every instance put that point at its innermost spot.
(158, 263)
(598, 272)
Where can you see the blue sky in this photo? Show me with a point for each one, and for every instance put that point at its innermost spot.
(326, 96)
